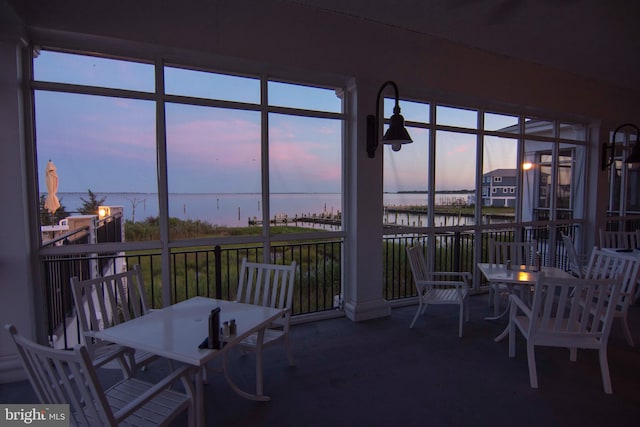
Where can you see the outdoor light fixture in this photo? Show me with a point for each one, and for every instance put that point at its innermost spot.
(396, 135)
(609, 158)
(104, 211)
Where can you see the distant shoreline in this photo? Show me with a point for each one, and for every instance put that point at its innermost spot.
(426, 192)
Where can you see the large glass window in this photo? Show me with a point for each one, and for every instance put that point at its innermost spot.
(86, 70)
(499, 172)
(624, 179)
(406, 172)
(102, 147)
(213, 167)
(305, 171)
(100, 122)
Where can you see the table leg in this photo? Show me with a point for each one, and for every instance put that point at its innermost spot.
(199, 397)
(258, 396)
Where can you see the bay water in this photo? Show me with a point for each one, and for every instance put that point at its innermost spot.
(235, 210)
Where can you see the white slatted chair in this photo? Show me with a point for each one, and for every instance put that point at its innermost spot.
(605, 264)
(517, 253)
(571, 313)
(107, 301)
(69, 377)
(577, 263)
(268, 285)
(619, 239)
(438, 287)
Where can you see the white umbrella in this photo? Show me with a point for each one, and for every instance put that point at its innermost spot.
(51, 203)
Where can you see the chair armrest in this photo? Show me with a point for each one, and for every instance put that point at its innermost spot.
(123, 355)
(462, 279)
(463, 275)
(116, 352)
(183, 374)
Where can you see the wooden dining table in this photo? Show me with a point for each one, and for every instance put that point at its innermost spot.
(176, 332)
(514, 276)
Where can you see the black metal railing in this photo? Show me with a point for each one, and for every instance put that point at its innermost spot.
(454, 251)
(213, 272)
(210, 272)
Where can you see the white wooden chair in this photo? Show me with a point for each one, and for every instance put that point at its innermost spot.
(69, 377)
(571, 313)
(516, 253)
(268, 285)
(605, 264)
(438, 287)
(619, 239)
(108, 301)
(577, 263)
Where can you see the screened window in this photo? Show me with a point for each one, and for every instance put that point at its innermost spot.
(225, 164)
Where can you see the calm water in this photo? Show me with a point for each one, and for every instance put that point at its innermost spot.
(235, 210)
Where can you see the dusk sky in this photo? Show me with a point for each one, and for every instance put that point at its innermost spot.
(108, 144)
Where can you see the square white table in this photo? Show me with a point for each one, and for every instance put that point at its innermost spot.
(175, 332)
(517, 275)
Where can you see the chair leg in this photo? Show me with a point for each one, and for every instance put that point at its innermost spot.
(627, 331)
(287, 345)
(417, 313)
(259, 367)
(461, 319)
(512, 339)
(531, 357)
(604, 368)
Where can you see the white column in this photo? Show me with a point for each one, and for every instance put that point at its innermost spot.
(16, 285)
(363, 282)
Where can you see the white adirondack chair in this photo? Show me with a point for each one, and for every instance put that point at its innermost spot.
(269, 285)
(605, 264)
(438, 287)
(107, 301)
(69, 377)
(571, 313)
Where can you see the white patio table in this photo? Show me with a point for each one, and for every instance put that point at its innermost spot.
(517, 275)
(176, 331)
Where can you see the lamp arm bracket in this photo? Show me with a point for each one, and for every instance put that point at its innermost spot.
(609, 157)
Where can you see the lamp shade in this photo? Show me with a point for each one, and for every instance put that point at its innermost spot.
(634, 157)
(397, 134)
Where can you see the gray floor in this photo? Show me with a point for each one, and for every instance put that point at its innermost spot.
(381, 373)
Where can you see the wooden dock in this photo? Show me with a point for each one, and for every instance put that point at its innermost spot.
(322, 218)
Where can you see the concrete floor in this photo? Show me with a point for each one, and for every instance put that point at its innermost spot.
(381, 373)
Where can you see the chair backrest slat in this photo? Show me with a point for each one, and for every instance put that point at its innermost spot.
(573, 307)
(575, 265)
(418, 264)
(519, 253)
(269, 285)
(106, 301)
(619, 239)
(606, 264)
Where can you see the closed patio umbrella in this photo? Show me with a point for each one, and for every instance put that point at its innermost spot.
(51, 203)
